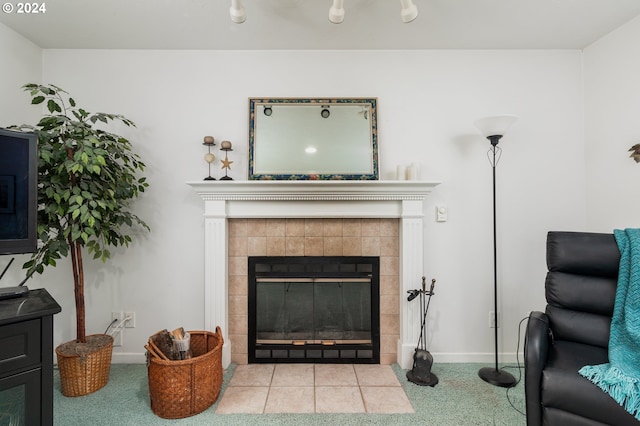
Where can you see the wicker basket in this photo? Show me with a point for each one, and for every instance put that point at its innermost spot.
(187, 387)
(82, 375)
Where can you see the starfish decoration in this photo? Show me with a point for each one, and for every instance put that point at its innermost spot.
(226, 164)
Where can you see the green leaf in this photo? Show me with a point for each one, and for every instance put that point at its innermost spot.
(84, 197)
(52, 106)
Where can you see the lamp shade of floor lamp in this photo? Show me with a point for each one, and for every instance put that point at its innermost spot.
(494, 128)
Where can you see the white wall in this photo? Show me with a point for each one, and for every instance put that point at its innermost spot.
(428, 101)
(21, 64)
(612, 123)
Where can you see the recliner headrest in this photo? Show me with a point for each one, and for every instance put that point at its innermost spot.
(583, 253)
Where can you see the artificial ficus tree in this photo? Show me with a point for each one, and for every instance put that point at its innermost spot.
(87, 178)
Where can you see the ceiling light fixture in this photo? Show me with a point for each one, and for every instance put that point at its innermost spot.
(409, 11)
(336, 12)
(236, 11)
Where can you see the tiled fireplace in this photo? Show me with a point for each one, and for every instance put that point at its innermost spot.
(330, 238)
(313, 218)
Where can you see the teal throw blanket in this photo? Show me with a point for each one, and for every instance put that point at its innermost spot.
(620, 377)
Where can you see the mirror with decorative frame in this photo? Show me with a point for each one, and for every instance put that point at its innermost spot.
(313, 138)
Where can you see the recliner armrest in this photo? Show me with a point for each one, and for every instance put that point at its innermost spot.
(536, 347)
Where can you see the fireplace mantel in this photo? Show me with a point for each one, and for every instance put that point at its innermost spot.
(313, 190)
(313, 199)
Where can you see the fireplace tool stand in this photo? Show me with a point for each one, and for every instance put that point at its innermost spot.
(421, 373)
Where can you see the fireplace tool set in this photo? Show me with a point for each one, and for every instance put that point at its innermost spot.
(421, 373)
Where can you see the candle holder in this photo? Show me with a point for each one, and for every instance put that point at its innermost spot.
(209, 141)
(226, 164)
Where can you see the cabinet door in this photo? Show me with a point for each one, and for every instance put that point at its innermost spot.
(19, 346)
(20, 399)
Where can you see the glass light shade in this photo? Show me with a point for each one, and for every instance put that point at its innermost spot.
(496, 125)
(409, 11)
(336, 12)
(236, 11)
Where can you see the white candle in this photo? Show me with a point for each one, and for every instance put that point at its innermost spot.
(401, 172)
(412, 172)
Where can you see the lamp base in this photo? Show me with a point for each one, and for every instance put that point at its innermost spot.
(497, 377)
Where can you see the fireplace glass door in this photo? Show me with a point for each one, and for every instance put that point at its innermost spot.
(326, 313)
(323, 310)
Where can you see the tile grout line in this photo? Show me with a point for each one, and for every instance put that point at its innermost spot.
(266, 400)
(315, 393)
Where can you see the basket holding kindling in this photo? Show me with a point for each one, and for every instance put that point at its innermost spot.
(183, 388)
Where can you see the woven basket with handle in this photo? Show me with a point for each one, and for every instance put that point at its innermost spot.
(183, 388)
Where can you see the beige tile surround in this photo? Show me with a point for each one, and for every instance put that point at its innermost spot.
(314, 237)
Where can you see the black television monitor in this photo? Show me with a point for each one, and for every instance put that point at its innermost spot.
(18, 188)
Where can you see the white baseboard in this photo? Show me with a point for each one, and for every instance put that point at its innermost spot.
(438, 357)
(484, 358)
(129, 358)
(405, 357)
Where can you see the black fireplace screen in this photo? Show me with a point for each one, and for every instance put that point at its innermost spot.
(320, 309)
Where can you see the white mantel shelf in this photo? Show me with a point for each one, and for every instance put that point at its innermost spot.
(309, 190)
(224, 200)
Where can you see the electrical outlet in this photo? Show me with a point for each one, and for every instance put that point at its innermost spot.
(492, 319)
(131, 322)
(118, 338)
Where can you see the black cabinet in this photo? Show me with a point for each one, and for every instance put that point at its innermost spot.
(26, 359)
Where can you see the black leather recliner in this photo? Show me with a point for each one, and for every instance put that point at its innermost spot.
(574, 331)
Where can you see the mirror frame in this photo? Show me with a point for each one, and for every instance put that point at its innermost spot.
(294, 175)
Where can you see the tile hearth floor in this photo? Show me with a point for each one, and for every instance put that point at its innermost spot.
(314, 388)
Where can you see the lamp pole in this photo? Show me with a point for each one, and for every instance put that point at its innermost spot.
(495, 376)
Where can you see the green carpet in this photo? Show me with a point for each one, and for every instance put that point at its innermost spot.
(461, 398)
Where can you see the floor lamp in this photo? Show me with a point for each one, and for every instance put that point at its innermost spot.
(493, 128)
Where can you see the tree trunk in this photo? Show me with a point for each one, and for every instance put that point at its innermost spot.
(78, 289)
(78, 272)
